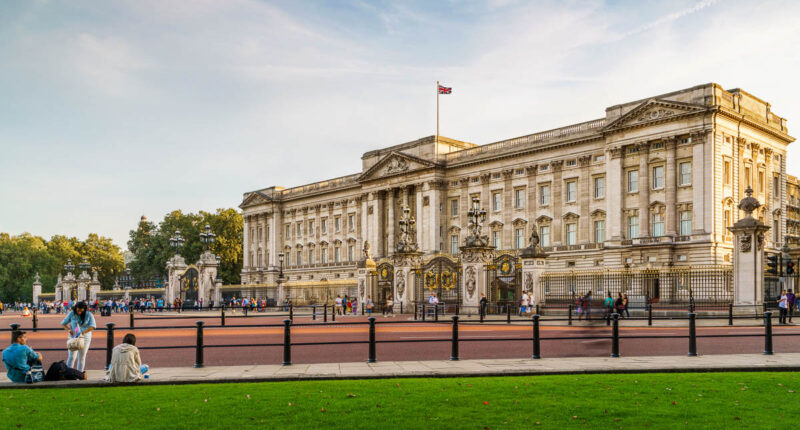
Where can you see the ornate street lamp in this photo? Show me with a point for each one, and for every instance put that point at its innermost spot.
(177, 241)
(219, 260)
(280, 260)
(69, 267)
(208, 237)
(406, 242)
(84, 265)
(476, 216)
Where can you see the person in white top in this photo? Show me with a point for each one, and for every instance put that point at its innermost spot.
(338, 309)
(783, 304)
(524, 308)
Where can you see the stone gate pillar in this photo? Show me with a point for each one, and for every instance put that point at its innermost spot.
(403, 291)
(94, 287)
(83, 284)
(748, 256)
(208, 267)
(175, 268)
(365, 277)
(37, 289)
(533, 266)
(474, 261)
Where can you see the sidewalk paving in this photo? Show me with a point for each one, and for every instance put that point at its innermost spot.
(446, 368)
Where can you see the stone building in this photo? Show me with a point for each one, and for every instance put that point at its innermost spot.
(654, 182)
(793, 212)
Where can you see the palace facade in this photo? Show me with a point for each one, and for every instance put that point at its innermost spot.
(653, 183)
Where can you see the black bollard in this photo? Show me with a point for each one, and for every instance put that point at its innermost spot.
(692, 335)
(325, 312)
(768, 333)
(649, 314)
(222, 315)
(314, 312)
(423, 312)
(436, 313)
(371, 358)
(730, 314)
(198, 360)
(35, 320)
(291, 312)
(333, 314)
(401, 308)
(537, 352)
(109, 343)
(454, 349)
(287, 343)
(416, 314)
(508, 313)
(569, 316)
(130, 324)
(615, 335)
(537, 309)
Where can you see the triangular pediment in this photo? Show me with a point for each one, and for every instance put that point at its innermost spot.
(254, 198)
(395, 163)
(654, 111)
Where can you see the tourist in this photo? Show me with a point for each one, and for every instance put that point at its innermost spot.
(586, 304)
(625, 305)
(369, 306)
(791, 301)
(338, 305)
(126, 364)
(609, 306)
(389, 306)
(523, 304)
(79, 323)
(783, 305)
(483, 305)
(618, 304)
(431, 303)
(19, 357)
(354, 305)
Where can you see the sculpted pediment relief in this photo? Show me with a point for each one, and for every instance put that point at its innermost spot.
(253, 199)
(654, 110)
(395, 163)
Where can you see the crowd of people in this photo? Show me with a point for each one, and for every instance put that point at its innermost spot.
(24, 365)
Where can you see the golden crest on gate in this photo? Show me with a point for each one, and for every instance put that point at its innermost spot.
(431, 280)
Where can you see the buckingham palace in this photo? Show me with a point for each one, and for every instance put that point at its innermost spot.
(652, 183)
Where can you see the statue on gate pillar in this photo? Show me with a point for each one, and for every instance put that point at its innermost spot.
(364, 277)
(476, 254)
(533, 266)
(748, 254)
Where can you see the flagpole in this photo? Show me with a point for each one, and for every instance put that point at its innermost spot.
(436, 145)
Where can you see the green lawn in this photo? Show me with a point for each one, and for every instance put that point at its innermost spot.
(694, 400)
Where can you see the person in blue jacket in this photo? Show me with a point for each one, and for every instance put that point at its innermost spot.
(79, 321)
(19, 357)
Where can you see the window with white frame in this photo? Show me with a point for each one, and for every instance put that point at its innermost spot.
(310, 256)
(496, 205)
(726, 172)
(686, 223)
(337, 258)
(633, 181)
(572, 191)
(658, 224)
(454, 244)
(748, 177)
(658, 177)
(544, 195)
(519, 238)
(323, 225)
(633, 227)
(599, 187)
(685, 173)
(323, 255)
(572, 233)
(544, 235)
(496, 239)
(288, 231)
(299, 229)
(351, 252)
(519, 198)
(351, 222)
(599, 231)
(454, 207)
(726, 219)
(311, 226)
(299, 258)
(337, 224)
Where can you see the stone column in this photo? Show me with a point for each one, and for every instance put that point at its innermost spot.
(434, 218)
(207, 274)
(463, 207)
(670, 188)
(701, 223)
(508, 209)
(644, 190)
(403, 291)
(380, 231)
(175, 268)
(94, 287)
(556, 232)
(418, 215)
(533, 266)
(614, 194)
(37, 289)
(364, 221)
(390, 222)
(585, 196)
(748, 256)
(473, 274)
(276, 238)
(246, 263)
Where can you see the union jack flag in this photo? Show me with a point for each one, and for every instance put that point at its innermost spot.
(445, 90)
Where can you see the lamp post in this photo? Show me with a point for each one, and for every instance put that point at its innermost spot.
(69, 267)
(280, 276)
(476, 216)
(207, 238)
(177, 241)
(84, 265)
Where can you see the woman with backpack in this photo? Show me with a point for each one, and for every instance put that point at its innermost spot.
(79, 323)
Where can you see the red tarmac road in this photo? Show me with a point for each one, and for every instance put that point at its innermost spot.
(493, 340)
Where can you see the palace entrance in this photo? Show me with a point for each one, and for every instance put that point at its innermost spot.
(189, 283)
(504, 277)
(442, 276)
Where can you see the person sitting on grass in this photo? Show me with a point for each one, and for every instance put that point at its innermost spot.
(126, 364)
(19, 357)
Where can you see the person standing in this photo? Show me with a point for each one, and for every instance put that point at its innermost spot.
(791, 301)
(369, 306)
(338, 305)
(523, 308)
(609, 306)
(625, 305)
(586, 304)
(783, 304)
(355, 306)
(389, 310)
(483, 304)
(79, 322)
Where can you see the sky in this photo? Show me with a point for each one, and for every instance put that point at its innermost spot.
(111, 110)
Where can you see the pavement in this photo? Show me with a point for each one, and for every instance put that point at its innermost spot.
(446, 368)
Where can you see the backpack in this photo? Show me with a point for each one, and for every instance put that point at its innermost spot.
(59, 371)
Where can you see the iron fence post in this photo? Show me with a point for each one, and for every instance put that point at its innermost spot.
(109, 343)
(457, 313)
(615, 335)
(287, 343)
(314, 312)
(537, 353)
(454, 349)
(508, 313)
(130, 308)
(401, 308)
(537, 309)
(569, 315)
(692, 334)
(649, 314)
(291, 312)
(371, 358)
(333, 314)
(436, 313)
(423, 312)
(325, 312)
(768, 333)
(35, 320)
(730, 314)
(198, 360)
(416, 313)
(222, 315)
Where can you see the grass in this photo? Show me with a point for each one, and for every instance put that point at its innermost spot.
(691, 400)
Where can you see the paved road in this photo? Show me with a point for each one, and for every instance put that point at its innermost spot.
(496, 340)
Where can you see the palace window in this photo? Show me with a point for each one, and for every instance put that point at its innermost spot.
(633, 227)
(323, 255)
(351, 222)
(454, 244)
(544, 195)
(311, 226)
(324, 225)
(495, 176)
(761, 184)
(544, 235)
(260, 261)
(658, 177)
(686, 223)
(351, 252)
(519, 172)
(572, 233)
(572, 191)
(776, 230)
(776, 186)
(599, 187)
(748, 178)
(288, 230)
(658, 225)
(496, 202)
(599, 158)
(337, 224)
(259, 234)
(571, 163)
(599, 231)
(726, 172)
(310, 256)
(633, 181)
(454, 207)
(519, 198)
(519, 238)
(337, 258)
(726, 217)
(685, 173)
(299, 258)
(299, 229)
(496, 239)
